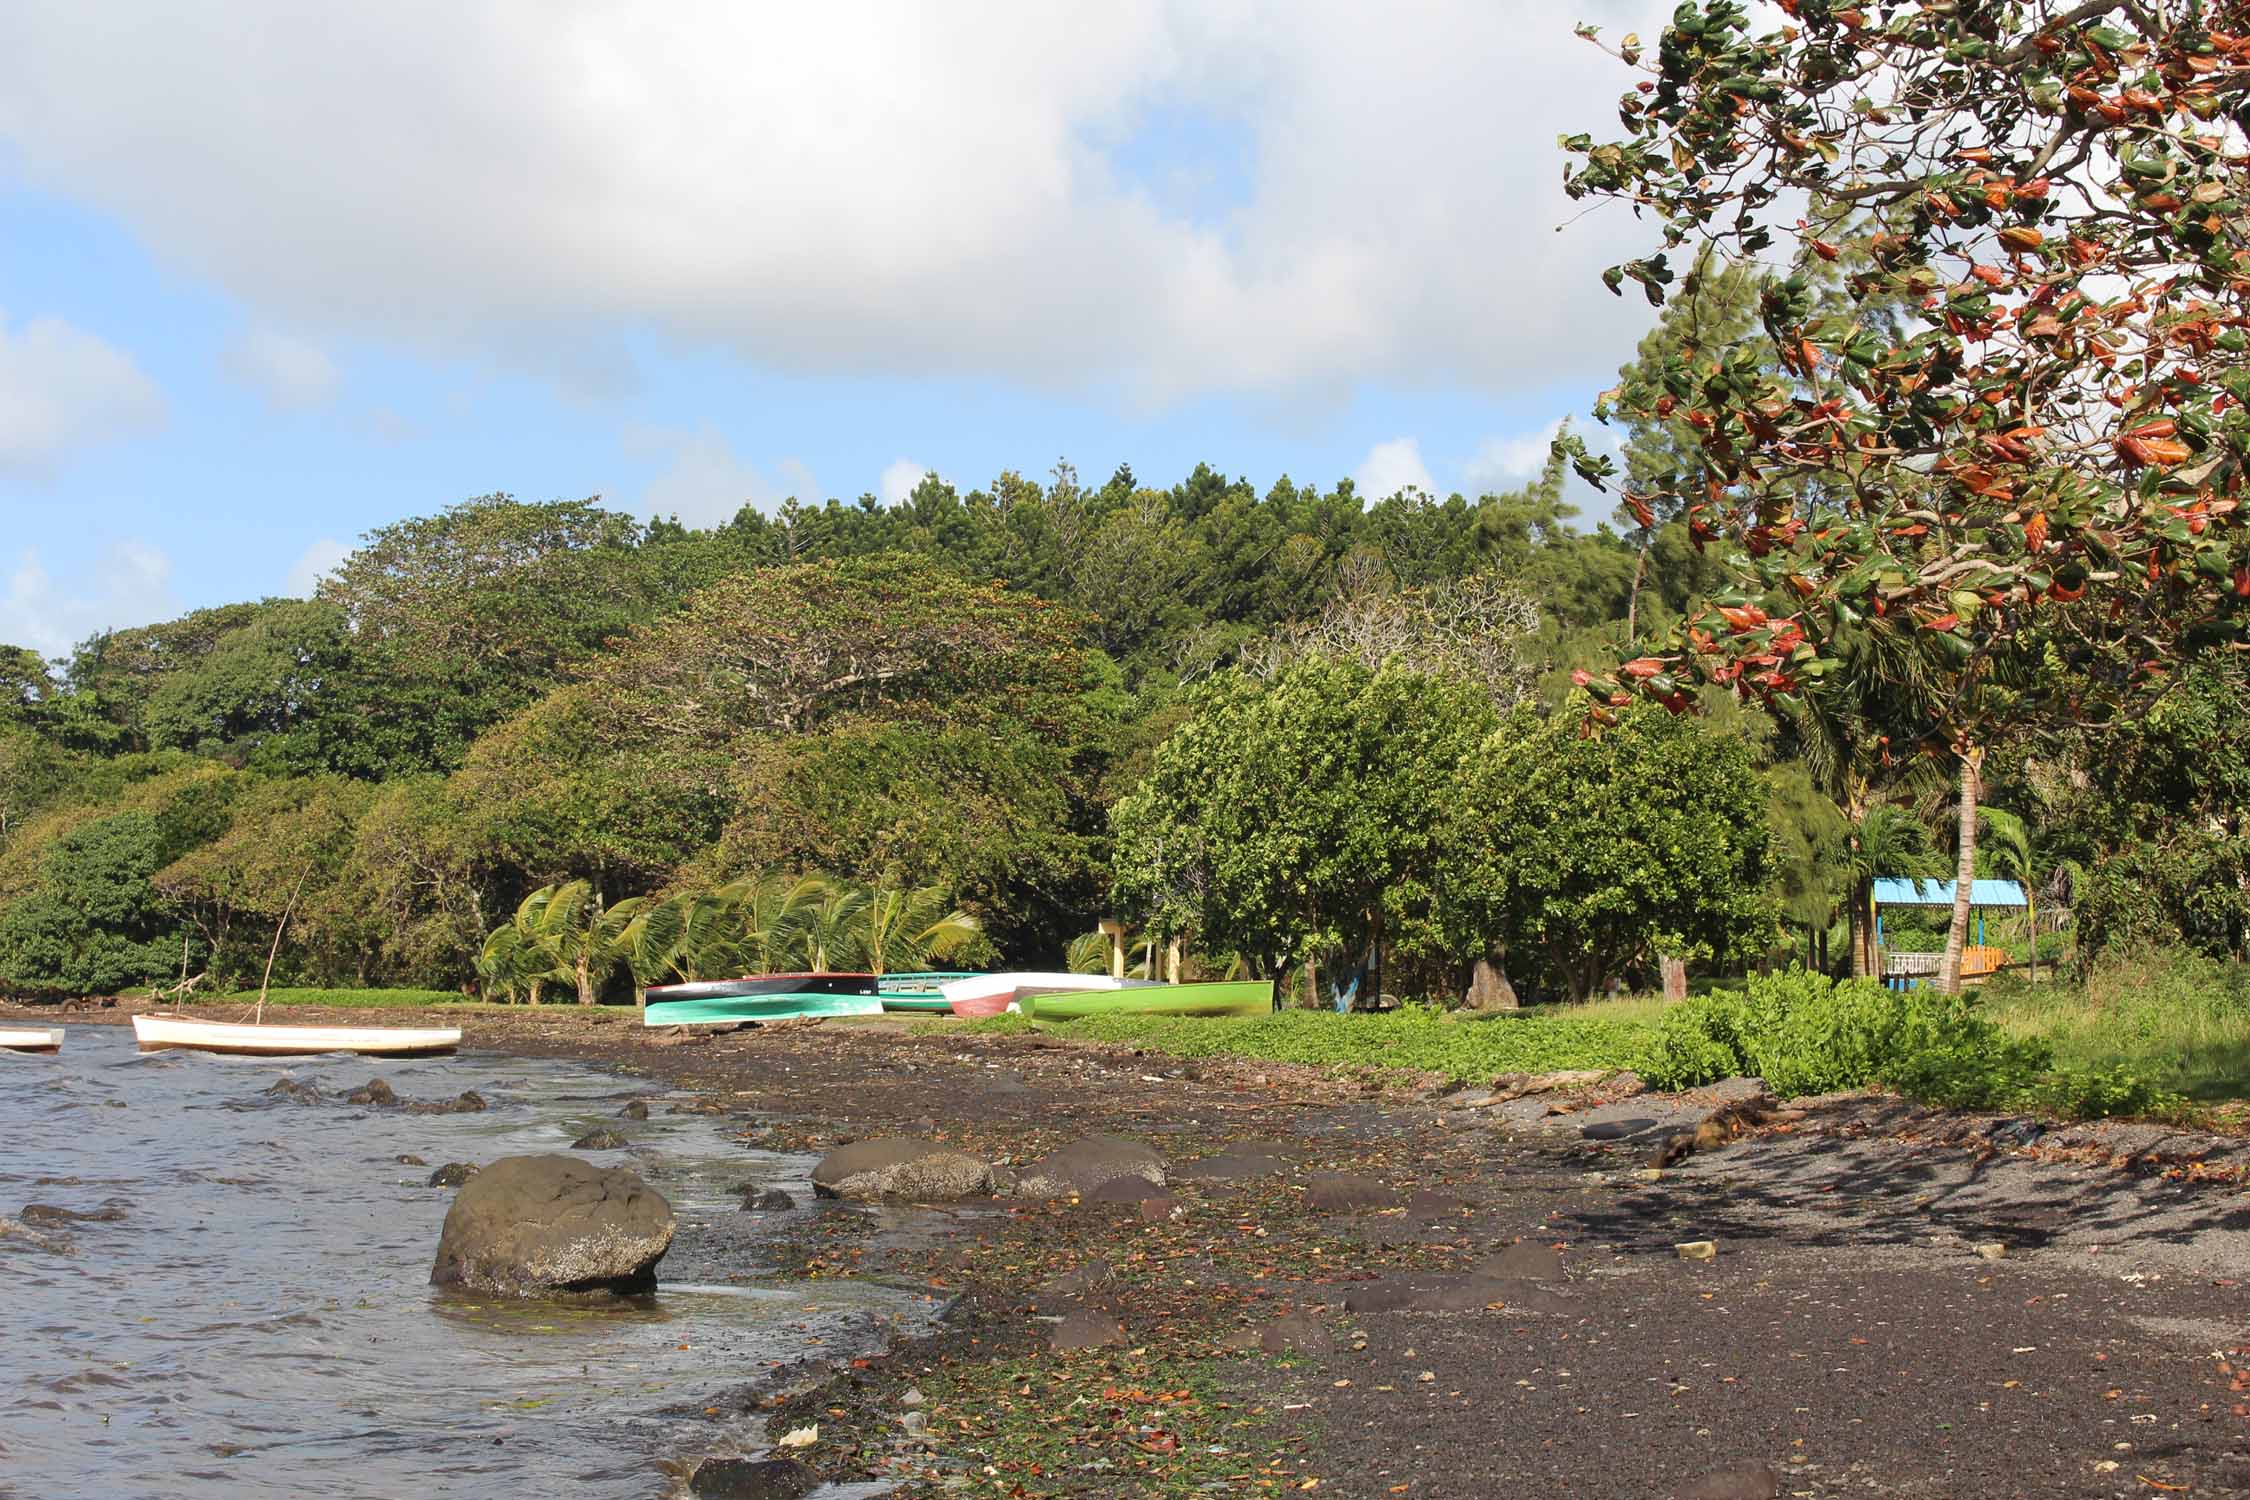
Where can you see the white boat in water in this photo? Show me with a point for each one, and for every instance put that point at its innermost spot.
(157, 1033)
(31, 1038)
(990, 994)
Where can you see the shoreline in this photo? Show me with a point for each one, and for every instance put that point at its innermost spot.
(1848, 1332)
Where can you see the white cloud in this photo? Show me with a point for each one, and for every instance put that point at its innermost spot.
(899, 479)
(61, 388)
(704, 483)
(1391, 467)
(293, 374)
(911, 189)
(1505, 463)
(131, 584)
(313, 564)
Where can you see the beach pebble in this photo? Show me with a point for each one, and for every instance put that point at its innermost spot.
(900, 1167)
(453, 1174)
(1697, 1250)
(1085, 1165)
(600, 1140)
(1747, 1482)
(766, 1200)
(637, 1110)
(1087, 1328)
(1346, 1192)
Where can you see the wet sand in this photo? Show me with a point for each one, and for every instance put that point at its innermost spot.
(1848, 1337)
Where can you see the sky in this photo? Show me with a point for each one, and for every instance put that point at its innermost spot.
(273, 275)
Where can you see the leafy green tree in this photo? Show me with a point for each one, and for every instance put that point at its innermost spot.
(562, 934)
(2019, 436)
(1583, 859)
(1300, 818)
(909, 928)
(283, 854)
(95, 924)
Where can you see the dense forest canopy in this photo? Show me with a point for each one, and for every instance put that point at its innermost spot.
(1289, 728)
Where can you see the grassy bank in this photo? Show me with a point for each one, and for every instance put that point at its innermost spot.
(2165, 1036)
(1422, 1040)
(2181, 1021)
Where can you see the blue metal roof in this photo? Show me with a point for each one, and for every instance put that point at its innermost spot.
(1890, 891)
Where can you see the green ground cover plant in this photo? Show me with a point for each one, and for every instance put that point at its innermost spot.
(2172, 1017)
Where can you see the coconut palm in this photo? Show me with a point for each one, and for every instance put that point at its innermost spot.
(2008, 853)
(511, 965)
(828, 934)
(768, 915)
(563, 934)
(904, 928)
(1889, 841)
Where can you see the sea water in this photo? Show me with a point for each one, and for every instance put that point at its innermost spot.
(258, 1320)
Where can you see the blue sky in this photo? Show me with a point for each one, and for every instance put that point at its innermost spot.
(255, 300)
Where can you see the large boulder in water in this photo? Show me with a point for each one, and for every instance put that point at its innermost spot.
(553, 1223)
(898, 1166)
(1085, 1165)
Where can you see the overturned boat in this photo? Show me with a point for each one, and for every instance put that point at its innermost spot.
(762, 997)
(181, 1033)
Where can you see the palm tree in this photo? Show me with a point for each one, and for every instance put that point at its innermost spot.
(829, 933)
(768, 916)
(2008, 851)
(511, 964)
(1888, 842)
(906, 928)
(563, 933)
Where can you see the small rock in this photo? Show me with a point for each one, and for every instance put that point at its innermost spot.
(1697, 1250)
(467, 1102)
(1061, 1293)
(600, 1140)
(1346, 1192)
(453, 1174)
(1523, 1261)
(1161, 1209)
(913, 1399)
(1087, 1328)
(22, 1234)
(1297, 1333)
(637, 1110)
(914, 1423)
(1990, 1250)
(1748, 1482)
(1431, 1204)
(412, 1161)
(1229, 1166)
(752, 1479)
(294, 1092)
(900, 1167)
(48, 1213)
(375, 1091)
(766, 1200)
(1085, 1165)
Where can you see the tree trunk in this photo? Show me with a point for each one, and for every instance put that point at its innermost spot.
(536, 986)
(1633, 596)
(1861, 921)
(1489, 988)
(1674, 972)
(1964, 873)
(584, 972)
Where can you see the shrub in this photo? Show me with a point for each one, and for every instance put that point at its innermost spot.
(1805, 1034)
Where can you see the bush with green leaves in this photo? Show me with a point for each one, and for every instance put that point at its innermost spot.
(1804, 1033)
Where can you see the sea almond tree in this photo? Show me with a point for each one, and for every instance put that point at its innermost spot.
(2017, 440)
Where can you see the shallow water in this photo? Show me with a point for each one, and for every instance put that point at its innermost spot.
(259, 1321)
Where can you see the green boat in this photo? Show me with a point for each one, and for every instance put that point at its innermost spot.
(918, 993)
(1245, 997)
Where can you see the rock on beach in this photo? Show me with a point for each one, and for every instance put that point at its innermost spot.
(1086, 1166)
(529, 1224)
(898, 1166)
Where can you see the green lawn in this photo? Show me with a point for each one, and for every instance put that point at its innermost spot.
(2182, 1022)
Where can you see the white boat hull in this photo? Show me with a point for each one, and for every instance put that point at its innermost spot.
(159, 1033)
(31, 1039)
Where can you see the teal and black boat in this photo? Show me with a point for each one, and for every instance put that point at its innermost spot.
(762, 997)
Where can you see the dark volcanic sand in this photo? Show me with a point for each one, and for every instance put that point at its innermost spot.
(1846, 1333)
